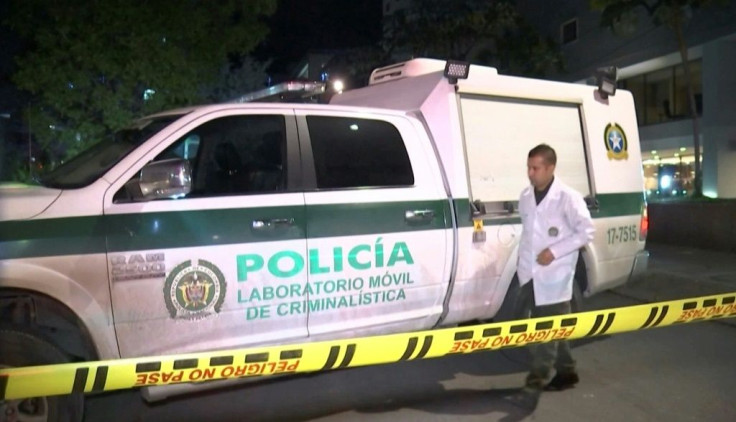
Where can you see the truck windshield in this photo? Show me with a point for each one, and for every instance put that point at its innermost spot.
(90, 164)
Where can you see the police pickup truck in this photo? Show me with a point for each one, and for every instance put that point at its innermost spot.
(392, 209)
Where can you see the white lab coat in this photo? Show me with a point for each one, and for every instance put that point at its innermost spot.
(562, 223)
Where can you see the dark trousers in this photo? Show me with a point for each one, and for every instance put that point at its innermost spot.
(553, 354)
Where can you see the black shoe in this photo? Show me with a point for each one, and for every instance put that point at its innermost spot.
(527, 398)
(562, 381)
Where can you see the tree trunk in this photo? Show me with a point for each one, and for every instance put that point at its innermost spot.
(698, 182)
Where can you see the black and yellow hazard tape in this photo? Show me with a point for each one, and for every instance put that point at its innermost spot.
(48, 380)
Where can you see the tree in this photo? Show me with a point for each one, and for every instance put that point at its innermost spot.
(621, 17)
(353, 66)
(235, 80)
(92, 68)
(484, 32)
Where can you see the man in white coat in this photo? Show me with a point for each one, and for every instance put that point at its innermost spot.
(556, 223)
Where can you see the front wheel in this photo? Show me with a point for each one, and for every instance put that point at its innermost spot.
(20, 346)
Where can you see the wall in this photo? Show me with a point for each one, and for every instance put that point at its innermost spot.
(697, 224)
(597, 46)
(719, 125)
(710, 34)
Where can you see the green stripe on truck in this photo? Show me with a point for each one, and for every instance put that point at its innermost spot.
(177, 229)
(609, 205)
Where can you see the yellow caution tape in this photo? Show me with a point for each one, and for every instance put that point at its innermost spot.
(48, 380)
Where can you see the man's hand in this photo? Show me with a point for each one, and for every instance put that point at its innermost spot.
(545, 257)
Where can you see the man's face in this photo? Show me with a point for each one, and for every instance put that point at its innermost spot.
(540, 173)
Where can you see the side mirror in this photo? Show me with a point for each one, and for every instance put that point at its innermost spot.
(165, 179)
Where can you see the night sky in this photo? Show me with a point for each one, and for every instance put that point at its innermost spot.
(8, 48)
(299, 26)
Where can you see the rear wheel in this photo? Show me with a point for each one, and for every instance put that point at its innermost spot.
(20, 346)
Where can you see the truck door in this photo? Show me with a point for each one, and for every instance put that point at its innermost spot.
(498, 134)
(378, 225)
(198, 272)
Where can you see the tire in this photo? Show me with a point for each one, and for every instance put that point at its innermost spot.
(20, 346)
(513, 307)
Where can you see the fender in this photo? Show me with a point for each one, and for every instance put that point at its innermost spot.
(97, 320)
(499, 294)
(590, 258)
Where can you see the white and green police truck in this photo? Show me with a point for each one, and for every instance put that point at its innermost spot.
(392, 209)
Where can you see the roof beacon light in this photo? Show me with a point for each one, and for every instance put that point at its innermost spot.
(455, 70)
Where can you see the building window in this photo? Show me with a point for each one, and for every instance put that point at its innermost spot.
(637, 87)
(661, 96)
(658, 93)
(680, 107)
(569, 31)
(669, 173)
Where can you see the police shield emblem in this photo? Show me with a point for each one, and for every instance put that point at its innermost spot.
(616, 142)
(194, 291)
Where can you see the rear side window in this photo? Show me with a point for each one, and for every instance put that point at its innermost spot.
(354, 153)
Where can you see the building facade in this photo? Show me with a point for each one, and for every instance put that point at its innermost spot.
(648, 62)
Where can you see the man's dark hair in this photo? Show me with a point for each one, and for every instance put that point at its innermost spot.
(545, 151)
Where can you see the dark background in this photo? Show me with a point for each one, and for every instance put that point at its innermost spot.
(298, 27)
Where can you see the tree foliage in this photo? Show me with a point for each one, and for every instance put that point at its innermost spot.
(484, 32)
(234, 80)
(92, 67)
(353, 66)
(622, 17)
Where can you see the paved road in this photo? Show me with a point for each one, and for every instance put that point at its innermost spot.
(678, 373)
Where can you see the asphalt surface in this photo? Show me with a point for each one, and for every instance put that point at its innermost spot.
(677, 272)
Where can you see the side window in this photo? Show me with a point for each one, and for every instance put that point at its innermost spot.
(240, 155)
(187, 148)
(235, 155)
(352, 153)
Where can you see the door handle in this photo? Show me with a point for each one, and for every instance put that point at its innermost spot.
(418, 216)
(272, 224)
